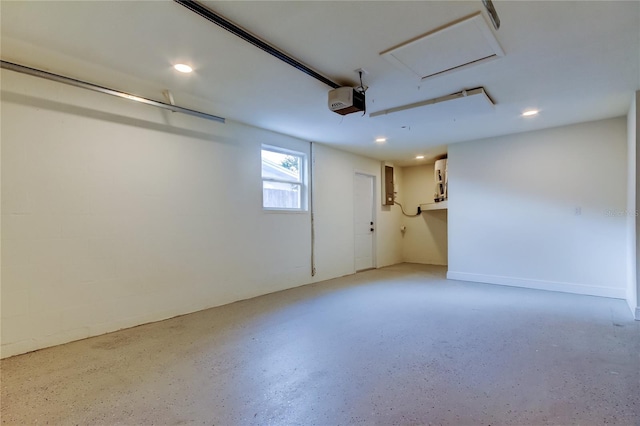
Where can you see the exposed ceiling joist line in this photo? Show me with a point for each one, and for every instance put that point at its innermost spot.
(222, 22)
(96, 88)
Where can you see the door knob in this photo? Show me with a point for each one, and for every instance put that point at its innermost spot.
(371, 229)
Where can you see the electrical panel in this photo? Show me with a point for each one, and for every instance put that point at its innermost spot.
(388, 196)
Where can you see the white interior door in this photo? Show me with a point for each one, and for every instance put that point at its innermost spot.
(364, 221)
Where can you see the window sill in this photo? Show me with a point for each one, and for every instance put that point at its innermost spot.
(286, 211)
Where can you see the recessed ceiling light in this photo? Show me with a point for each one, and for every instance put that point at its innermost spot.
(380, 140)
(419, 157)
(183, 68)
(530, 112)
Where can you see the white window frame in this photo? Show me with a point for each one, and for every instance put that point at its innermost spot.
(302, 183)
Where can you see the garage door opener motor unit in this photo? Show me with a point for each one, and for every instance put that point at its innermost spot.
(346, 100)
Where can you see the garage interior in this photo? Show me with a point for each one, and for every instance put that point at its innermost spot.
(430, 218)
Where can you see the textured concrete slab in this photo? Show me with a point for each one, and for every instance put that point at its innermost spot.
(396, 346)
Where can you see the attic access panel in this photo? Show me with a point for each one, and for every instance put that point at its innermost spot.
(457, 45)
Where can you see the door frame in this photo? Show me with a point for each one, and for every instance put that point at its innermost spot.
(374, 215)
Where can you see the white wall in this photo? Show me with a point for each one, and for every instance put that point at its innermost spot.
(425, 238)
(637, 205)
(334, 173)
(512, 209)
(115, 214)
(633, 224)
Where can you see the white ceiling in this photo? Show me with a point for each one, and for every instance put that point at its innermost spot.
(574, 60)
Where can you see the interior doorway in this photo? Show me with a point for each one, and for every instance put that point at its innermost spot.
(364, 221)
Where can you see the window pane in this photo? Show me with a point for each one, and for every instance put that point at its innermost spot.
(277, 195)
(277, 165)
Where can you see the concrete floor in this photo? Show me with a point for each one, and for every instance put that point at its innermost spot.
(396, 346)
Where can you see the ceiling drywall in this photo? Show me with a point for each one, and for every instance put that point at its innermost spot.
(574, 61)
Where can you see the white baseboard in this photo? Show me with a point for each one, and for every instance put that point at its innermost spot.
(615, 293)
(635, 310)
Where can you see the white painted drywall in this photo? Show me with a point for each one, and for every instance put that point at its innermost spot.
(637, 204)
(116, 214)
(333, 200)
(633, 201)
(512, 209)
(425, 238)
